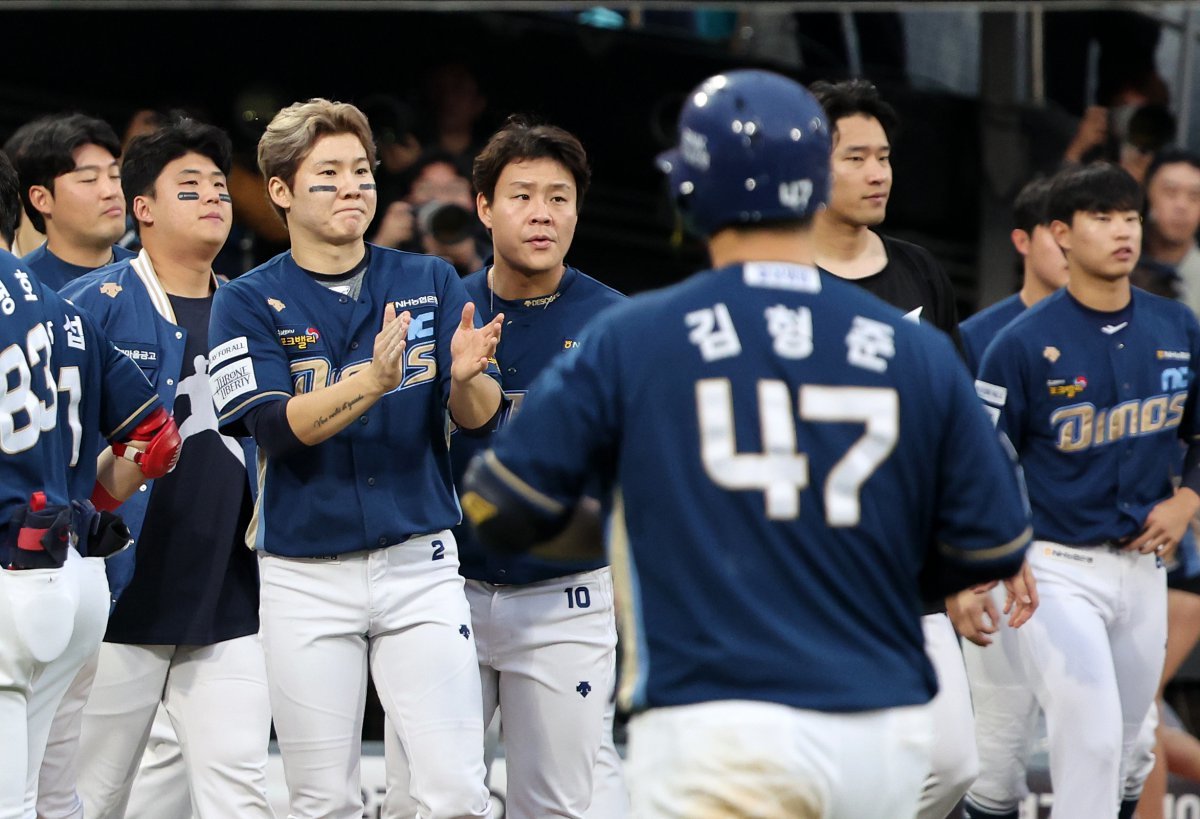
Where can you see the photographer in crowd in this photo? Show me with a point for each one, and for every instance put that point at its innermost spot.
(437, 217)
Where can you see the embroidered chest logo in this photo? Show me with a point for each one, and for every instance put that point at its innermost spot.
(291, 337)
(1060, 387)
(277, 304)
(1175, 378)
(1051, 354)
(111, 289)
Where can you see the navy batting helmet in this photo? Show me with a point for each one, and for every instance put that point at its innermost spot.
(753, 147)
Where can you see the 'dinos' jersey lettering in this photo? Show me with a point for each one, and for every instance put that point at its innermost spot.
(978, 331)
(276, 333)
(536, 333)
(1095, 404)
(782, 449)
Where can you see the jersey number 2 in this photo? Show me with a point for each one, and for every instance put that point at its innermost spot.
(780, 471)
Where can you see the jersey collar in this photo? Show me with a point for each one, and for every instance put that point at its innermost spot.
(158, 296)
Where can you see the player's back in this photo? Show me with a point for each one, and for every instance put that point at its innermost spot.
(30, 438)
(786, 442)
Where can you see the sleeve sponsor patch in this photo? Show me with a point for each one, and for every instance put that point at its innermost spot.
(991, 393)
(233, 348)
(236, 379)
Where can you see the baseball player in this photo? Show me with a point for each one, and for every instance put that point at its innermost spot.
(544, 629)
(1094, 386)
(1005, 708)
(1043, 272)
(184, 629)
(71, 190)
(66, 383)
(908, 277)
(1172, 188)
(764, 433)
(355, 503)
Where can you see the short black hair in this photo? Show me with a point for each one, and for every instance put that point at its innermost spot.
(1100, 187)
(522, 138)
(1170, 156)
(150, 153)
(43, 150)
(1029, 208)
(10, 201)
(855, 97)
(436, 156)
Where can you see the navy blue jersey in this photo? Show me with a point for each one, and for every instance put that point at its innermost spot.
(104, 395)
(782, 449)
(55, 273)
(1094, 404)
(274, 333)
(35, 446)
(978, 331)
(536, 332)
(66, 386)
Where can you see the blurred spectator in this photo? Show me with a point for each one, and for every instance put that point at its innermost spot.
(142, 122)
(437, 217)
(1129, 127)
(1124, 44)
(392, 123)
(258, 233)
(456, 104)
(1170, 262)
(1128, 135)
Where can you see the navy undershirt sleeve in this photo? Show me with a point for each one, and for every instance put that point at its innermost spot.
(269, 425)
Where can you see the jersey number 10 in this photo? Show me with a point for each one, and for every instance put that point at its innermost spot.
(780, 471)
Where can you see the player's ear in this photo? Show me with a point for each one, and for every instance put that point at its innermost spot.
(1061, 232)
(41, 198)
(141, 210)
(279, 192)
(1020, 240)
(484, 208)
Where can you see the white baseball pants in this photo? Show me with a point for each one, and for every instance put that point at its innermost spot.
(1093, 653)
(402, 609)
(216, 698)
(758, 760)
(51, 622)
